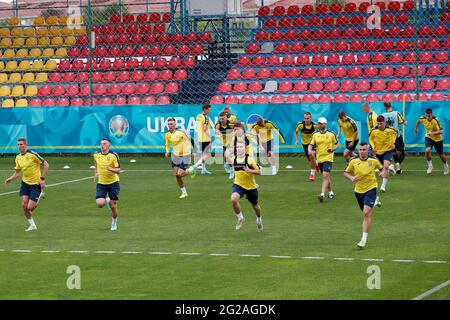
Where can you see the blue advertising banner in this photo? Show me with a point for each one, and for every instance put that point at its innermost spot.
(140, 129)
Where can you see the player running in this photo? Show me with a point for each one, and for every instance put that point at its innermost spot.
(393, 120)
(371, 117)
(307, 128)
(433, 138)
(264, 131)
(246, 168)
(107, 170)
(326, 144)
(181, 155)
(33, 181)
(203, 124)
(239, 135)
(361, 171)
(224, 133)
(348, 125)
(382, 139)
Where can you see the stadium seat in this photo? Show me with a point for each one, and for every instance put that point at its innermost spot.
(331, 86)
(5, 91)
(277, 99)
(362, 85)
(309, 73)
(437, 96)
(402, 71)
(308, 98)
(17, 91)
(340, 98)
(363, 58)
(404, 97)
(340, 72)
(446, 71)
(58, 90)
(443, 84)
(316, 86)
(14, 78)
(333, 58)
(263, 73)
(378, 85)
(355, 72)
(410, 85)
(8, 103)
(370, 72)
(386, 71)
(324, 98)
(278, 73)
(68, 77)
(285, 86)
(347, 86)
(348, 58)
(356, 97)
(425, 57)
(292, 98)
(300, 86)
(324, 72)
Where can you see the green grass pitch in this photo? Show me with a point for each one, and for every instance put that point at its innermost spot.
(410, 233)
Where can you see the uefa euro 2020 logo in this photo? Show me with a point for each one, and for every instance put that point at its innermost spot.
(119, 128)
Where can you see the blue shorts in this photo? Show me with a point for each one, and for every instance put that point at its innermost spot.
(347, 143)
(252, 195)
(206, 147)
(181, 162)
(438, 145)
(366, 199)
(387, 156)
(325, 166)
(32, 191)
(112, 190)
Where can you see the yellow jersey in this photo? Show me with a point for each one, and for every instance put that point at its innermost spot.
(226, 131)
(203, 124)
(382, 140)
(181, 143)
(430, 126)
(233, 118)
(241, 178)
(371, 120)
(110, 159)
(306, 131)
(365, 170)
(350, 128)
(264, 132)
(324, 141)
(30, 165)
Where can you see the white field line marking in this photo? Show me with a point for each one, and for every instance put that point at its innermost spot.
(281, 257)
(132, 252)
(219, 254)
(51, 185)
(22, 251)
(435, 261)
(250, 255)
(190, 253)
(78, 251)
(431, 291)
(377, 260)
(2, 250)
(107, 252)
(313, 258)
(405, 261)
(344, 259)
(161, 253)
(50, 251)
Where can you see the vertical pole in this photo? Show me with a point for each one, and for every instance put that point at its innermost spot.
(89, 27)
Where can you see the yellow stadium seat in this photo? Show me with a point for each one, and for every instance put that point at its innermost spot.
(8, 103)
(5, 91)
(24, 65)
(67, 31)
(14, 78)
(4, 32)
(17, 91)
(22, 53)
(70, 41)
(14, 21)
(44, 41)
(28, 77)
(57, 41)
(54, 31)
(6, 42)
(2, 65)
(28, 32)
(9, 53)
(41, 77)
(51, 65)
(51, 20)
(43, 31)
(3, 77)
(48, 53)
(61, 53)
(16, 32)
(31, 42)
(81, 31)
(11, 66)
(31, 91)
(37, 65)
(39, 21)
(63, 20)
(20, 103)
(18, 42)
(35, 53)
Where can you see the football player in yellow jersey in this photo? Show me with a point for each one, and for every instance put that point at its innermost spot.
(394, 119)
(433, 138)
(203, 126)
(371, 117)
(224, 130)
(348, 125)
(264, 131)
(107, 170)
(33, 181)
(239, 135)
(382, 139)
(326, 144)
(181, 154)
(230, 116)
(361, 171)
(246, 168)
(307, 128)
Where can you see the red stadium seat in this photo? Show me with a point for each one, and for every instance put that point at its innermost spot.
(308, 98)
(326, 46)
(288, 60)
(371, 45)
(340, 98)
(434, 70)
(263, 73)
(252, 48)
(316, 86)
(302, 59)
(322, 8)
(333, 58)
(273, 60)
(395, 32)
(404, 97)
(263, 11)
(54, 77)
(446, 71)
(379, 33)
(154, 17)
(142, 88)
(225, 87)
(138, 75)
(371, 72)
(234, 73)
(105, 64)
(109, 76)
(58, 90)
(307, 9)
(119, 63)
(285, 86)
(261, 35)
(160, 63)
(433, 44)
(113, 51)
(284, 22)
(255, 86)
(215, 100)
(342, 20)
(299, 22)
(395, 58)
(425, 57)
(257, 61)
(363, 58)
(247, 99)
(427, 84)
(171, 88)
(314, 21)
(387, 45)
(74, 52)
(443, 84)
(387, 18)
(132, 63)
(331, 86)
(408, 5)
(402, 71)
(301, 86)
(183, 49)
(309, 73)
(151, 75)
(76, 102)
(440, 31)
(166, 75)
(293, 10)
(65, 65)
(296, 47)
(437, 96)
(105, 101)
(364, 32)
(425, 31)
(114, 89)
(341, 45)
(281, 47)
(68, 77)
(355, 72)
(231, 100)
(350, 7)
(328, 21)
(388, 97)
(363, 85)
(318, 59)
(293, 73)
(123, 76)
(371, 97)
(356, 97)
(446, 44)
(334, 33)
(356, 45)
(422, 96)
(35, 102)
(320, 34)
(119, 101)
(128, 88)
(244, 61)
(347, 86)
(379, 85)
(379, 58)
(410, 85)
(324, 98)
(290, 34)
(340, 72)
(279, 73)
(324, 72)
(49, 102)
(363, 6)
(335, 8)
(99, 89)
(408, 32)
(279, 11)
(304, 34)
(394, 85)
(293, 98)
(401, 18)
(263, 99)
(159, 28)
(312, 47)
(85, 90)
